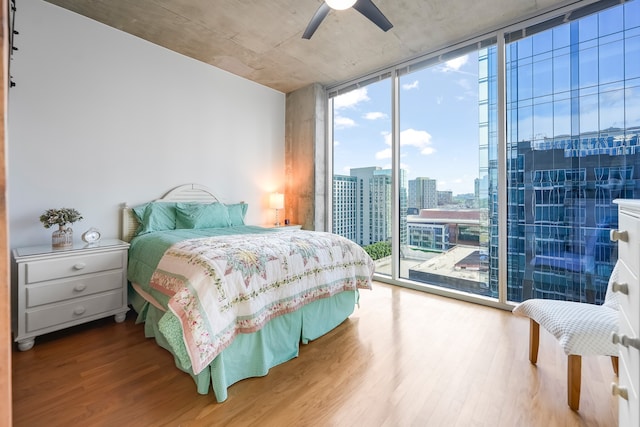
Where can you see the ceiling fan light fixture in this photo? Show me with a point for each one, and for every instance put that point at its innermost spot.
(365, 7)
(340, 4)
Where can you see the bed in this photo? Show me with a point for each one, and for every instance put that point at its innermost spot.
(228, 300)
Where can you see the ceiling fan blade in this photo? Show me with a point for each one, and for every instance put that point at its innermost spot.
(371, 12)
(320, 14)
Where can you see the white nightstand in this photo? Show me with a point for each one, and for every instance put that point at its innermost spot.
(59, 288)
(288, 227)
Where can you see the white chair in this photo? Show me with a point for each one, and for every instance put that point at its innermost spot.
(582, 329)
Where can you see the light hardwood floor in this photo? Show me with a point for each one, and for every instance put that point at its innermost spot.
(404, 358)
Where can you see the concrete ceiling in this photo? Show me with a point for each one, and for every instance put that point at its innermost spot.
(261, 39)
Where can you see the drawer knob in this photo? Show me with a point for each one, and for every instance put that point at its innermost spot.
(79, 266)
(79, 310)
(616, 235)
(625, 341)
(80, 287)
(623, 288)
(619, 391)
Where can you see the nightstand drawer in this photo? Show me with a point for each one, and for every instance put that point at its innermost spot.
(72, 310)
(38, 271)
(61, 290)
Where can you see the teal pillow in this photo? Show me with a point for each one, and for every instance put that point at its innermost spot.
(155, 216)
(237, 213)
(202, 215)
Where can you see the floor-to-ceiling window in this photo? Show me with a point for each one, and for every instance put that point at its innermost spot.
(570, 137)
(444, 139)
(362, 169)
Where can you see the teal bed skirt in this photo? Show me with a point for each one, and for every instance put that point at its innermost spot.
(249, 355)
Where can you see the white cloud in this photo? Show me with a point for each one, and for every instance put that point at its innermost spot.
(375, 115)
(464, 83)
(343, 122)
(409, 86)
(455, 64)
(427, 150)
(419, 139)
(350, 99)
(336, 142)
(384, 154)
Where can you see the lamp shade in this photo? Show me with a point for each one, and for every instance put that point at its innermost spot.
(276, 201)
(340, 4)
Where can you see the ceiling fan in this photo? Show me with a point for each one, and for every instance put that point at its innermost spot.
(365, 7)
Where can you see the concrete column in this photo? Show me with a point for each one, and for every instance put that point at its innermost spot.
(305, 157)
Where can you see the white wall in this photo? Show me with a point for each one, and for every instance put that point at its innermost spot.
(99, 117)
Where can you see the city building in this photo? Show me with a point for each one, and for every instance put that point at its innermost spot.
(445, 198)
(362, 205)
(441, 229)
(564, 172)
(344, 206)
(423, 193)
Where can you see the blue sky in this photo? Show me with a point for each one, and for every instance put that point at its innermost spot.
(438, 124)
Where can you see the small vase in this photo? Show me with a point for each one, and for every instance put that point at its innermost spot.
(62, 237)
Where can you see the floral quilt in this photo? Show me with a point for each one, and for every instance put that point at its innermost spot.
(221, 286)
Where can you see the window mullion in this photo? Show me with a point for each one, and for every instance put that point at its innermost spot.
(395, 174)
(502, 169)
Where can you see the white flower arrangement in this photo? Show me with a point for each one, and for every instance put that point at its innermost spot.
(61, 217)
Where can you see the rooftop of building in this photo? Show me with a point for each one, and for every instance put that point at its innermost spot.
(460, 262)
(440, 216)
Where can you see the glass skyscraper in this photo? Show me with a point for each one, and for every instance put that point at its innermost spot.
(573, 121)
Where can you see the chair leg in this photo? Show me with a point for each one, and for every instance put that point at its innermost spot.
(614, 362)
(574, 368)
(534, 340)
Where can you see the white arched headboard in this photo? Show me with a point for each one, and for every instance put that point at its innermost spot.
(194, 193)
